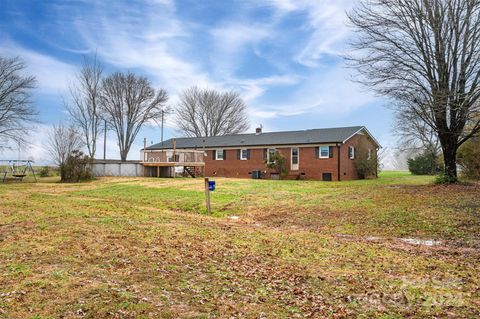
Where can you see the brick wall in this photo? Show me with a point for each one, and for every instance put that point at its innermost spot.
(347, 167)
(309, 163)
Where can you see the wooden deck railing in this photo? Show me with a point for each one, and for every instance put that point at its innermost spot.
(174, 157)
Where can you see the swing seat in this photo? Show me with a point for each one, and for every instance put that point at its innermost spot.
(18, 177)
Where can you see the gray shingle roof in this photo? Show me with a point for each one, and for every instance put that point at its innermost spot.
(313, 136)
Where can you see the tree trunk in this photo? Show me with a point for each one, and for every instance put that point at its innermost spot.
(449, 148)
(63, 176)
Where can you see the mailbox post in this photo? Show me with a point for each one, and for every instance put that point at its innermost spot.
(209, 186)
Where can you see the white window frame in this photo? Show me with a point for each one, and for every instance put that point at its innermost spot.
(241, 154)
(320, 152)
(369, 154)
(294, 166)
(219, 151)
(352, 155)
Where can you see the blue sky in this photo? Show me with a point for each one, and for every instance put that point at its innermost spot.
(283, 56)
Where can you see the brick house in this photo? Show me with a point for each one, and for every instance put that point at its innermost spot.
(317, 154)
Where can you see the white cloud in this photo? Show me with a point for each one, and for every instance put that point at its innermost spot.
(161, 48)
(285, 5)
(252, 89)
(329, 93)
(152, 40)
(52, 75)
(333, 92)
(233, 37)
(326, 21)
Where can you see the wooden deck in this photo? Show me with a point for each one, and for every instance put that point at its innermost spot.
(166, 161)
(173, 164)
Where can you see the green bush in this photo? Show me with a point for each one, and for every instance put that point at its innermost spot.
(469, 158)
(278, 163)
(366, 166)
(366, 160)
(426, 163)
(76, 168)
(444, 179)
(44, 172)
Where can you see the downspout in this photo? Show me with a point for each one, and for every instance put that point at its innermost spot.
(338, 162)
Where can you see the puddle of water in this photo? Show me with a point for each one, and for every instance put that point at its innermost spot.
(412, 241)
(345, 236)
(424, 242)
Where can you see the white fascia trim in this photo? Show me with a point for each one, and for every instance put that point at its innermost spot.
(272, 146)
(371, 136)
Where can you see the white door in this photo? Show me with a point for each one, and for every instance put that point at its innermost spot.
(294, 159)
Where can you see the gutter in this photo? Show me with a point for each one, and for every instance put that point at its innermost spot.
(258, 146)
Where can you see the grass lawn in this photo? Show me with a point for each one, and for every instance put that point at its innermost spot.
(396, 247)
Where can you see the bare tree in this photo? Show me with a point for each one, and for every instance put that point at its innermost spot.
(62, 141)
(204, 112)
(17, 112)
(425, 55)
(84, 109)
(128, 102)
(415, 136)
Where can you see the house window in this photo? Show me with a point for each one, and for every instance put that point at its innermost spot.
(369, 154)
(294, 155)
(219, 155)
(324, 152)
(351, 152)
(270, 154)
(244, 154)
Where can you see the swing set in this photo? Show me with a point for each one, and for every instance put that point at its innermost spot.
(16, 170)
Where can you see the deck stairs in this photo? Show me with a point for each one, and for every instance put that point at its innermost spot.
(192, 171)
(293, 176)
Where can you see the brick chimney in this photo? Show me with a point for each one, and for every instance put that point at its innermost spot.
(258, 130)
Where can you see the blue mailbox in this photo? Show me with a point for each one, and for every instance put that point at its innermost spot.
(211, 185)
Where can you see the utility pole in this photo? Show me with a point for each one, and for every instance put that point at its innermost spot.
(162, 126)
(145, 157)
(105, 140)
(144, 149)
